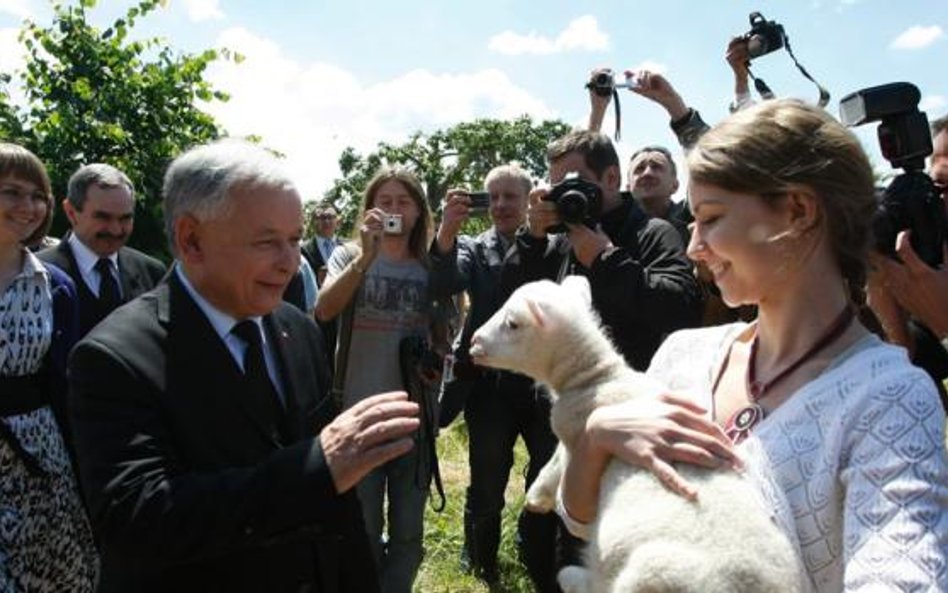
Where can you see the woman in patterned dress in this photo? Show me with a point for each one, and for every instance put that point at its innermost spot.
(783, 199)
(45, 540)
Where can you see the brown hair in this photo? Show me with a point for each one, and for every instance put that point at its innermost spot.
(598, 152)
(421, 233)
(16, 161)
(778, 146)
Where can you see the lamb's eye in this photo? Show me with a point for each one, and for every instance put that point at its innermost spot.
(511, 324)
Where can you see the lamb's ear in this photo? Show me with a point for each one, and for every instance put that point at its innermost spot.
(579, 286)
(536, 312)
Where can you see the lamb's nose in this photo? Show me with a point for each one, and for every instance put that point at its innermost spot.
(476, 346)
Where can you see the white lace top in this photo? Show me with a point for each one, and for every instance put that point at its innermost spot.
(859, 453)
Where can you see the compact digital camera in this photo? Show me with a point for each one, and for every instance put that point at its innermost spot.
(911, 200)
(764, 37)
(577, 202)
(480, 203)
(604, 83)
(392, 224)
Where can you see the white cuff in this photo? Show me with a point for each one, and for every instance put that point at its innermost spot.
(579, 529)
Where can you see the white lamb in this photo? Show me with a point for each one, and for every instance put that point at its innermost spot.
(645, 538)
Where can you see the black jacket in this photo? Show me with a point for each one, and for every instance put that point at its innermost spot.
(138, 274)
(188, 489)
(643, 290)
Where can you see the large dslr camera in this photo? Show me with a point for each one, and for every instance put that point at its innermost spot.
(911, 201)
(764, 37)
(577, 202)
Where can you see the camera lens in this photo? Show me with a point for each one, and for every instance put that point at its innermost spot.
(572, 206)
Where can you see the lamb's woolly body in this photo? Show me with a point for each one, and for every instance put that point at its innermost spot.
(645, 538)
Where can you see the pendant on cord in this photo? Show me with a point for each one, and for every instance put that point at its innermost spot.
(739, 425)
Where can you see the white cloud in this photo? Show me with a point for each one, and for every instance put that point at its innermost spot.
(917, 37)
(311, 111)
(12, 59)
(582, 34)
(934, 105)
(203, 10)
(652, 66)
(18, 8)
(11, 52)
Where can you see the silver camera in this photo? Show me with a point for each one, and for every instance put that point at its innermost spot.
(392, 224)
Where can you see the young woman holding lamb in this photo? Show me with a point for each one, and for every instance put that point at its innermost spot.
(782, 196)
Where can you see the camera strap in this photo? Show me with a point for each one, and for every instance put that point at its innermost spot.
(765, 91)
(615, 99)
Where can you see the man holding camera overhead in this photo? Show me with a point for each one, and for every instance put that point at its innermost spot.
(502, 405)
(641, 281)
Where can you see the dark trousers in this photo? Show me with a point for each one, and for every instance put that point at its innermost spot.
(500, 408)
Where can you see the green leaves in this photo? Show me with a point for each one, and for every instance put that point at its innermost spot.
(95, 97)
(460, 156)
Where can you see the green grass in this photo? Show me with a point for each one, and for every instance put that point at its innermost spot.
(444, 532)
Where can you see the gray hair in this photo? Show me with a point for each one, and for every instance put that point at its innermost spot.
(939, 125)
(513, 171)
(199, 181)
(98, 174)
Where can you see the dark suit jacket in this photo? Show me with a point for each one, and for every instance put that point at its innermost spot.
(138, 273)
(310, 250)
(186, 487)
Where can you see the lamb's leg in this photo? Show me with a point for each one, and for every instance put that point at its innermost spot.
(573, 579)
(541, 497)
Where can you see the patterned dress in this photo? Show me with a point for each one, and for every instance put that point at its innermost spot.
(45, 540)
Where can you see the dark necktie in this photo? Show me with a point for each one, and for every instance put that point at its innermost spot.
(108, 288)
(264, 396)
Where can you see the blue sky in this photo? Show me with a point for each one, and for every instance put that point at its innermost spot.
(322, 75)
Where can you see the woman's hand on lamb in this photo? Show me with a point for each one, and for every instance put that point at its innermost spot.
(654, 433)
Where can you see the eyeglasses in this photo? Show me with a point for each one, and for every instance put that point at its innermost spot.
(325, 217)
(15, 195)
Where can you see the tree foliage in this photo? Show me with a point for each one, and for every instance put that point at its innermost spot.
(101, 96)
(460, 156)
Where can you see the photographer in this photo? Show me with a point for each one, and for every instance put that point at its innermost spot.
(653, 176)
(642, 284)
(501, 405)
(910, 297)
(377, 286)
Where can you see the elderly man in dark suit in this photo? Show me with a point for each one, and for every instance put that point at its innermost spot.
(209, 448)
(100, 206)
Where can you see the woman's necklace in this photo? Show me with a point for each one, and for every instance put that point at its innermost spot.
(743, 420)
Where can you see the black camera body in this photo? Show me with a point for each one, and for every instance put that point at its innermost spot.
(911, 201)
(480, 203)
(904, 136)
(577, 202)
(764, 37)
